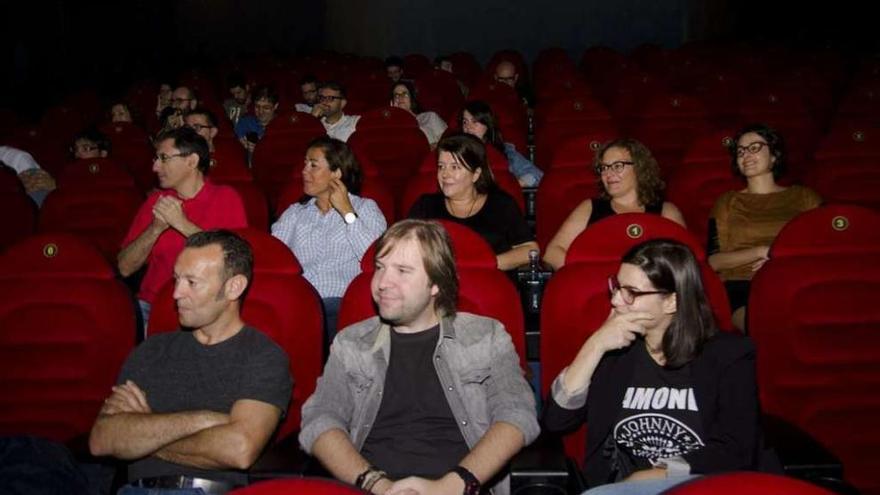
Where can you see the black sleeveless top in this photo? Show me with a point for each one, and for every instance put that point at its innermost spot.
(602, 209)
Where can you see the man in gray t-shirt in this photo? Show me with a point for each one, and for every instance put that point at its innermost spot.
(198, 405)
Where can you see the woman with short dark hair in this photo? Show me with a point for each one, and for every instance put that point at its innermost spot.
(469, 196)
(665, 395)
(330, 228)
(743, 223)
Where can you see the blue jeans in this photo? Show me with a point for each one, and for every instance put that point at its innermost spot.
(145, 314)
(641, 487)
(136, 490)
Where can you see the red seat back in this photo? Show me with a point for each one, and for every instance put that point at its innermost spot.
(95, 173)
(830, 230)
(67, 326)
(21, 217)
(579, 152)
(560, 192)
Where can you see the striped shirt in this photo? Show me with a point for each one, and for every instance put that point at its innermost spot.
(329, 249)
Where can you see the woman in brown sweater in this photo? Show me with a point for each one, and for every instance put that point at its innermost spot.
(744, 223)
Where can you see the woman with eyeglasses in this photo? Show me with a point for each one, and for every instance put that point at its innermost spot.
(665, 394)
(629, 182)
(743, 223)
(403, 96)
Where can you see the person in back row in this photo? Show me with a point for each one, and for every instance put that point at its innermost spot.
(331, 102)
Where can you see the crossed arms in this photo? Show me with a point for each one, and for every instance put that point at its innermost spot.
(128, 429)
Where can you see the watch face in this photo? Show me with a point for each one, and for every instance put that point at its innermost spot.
(350, 217)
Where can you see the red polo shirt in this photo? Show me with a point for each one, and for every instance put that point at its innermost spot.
(213, 207)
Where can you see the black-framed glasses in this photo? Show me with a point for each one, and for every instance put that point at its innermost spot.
(752, 148)
(181, 100)
(85, 148)
(627, 293)
(329, 98)
(162, 157)
(616, 167)
(199, 127)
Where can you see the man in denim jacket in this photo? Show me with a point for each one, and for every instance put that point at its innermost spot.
(423, 398)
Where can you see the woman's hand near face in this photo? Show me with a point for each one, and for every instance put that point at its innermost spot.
(339, 197)
(618, 331)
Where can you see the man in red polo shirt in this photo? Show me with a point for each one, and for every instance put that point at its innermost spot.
(186, 203)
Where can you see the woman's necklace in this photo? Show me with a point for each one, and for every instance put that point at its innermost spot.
(470, 209)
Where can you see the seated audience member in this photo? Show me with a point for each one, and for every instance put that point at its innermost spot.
(308, 87)
(90, 143)
(120, 112)
(204, 123)
(183, 99)
(743, 224)
(193, 409)
(36, 181)
(420, 399)
(629, 182)
(469, 196)
(186, 203)
(251, 128)
(240, 91)
(665, 394)
(506, 73)
(163, 98)
(394, 68)
(331, 227)
(478, 120)
(403, 96)
(444, 63)
(331, 102)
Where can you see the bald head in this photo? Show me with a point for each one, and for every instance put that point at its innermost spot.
(505, 72)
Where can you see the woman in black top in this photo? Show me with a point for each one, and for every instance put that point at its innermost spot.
(629, 183)
(468, 195)
(665, 394)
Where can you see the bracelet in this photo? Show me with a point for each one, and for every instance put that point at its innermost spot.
(359, 482)
(375, 477)
(471, 483)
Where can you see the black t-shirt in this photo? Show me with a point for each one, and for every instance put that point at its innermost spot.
(499, 221)
(415, 433)
(178, 373)
(659, 417)
(602, 209)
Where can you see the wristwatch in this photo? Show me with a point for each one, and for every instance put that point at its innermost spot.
(472, 485)
(350, 217)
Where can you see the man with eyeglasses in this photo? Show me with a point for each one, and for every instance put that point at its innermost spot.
(251, 128)
(185, 204)
(183, 99)
(506, 73)
(331, 102)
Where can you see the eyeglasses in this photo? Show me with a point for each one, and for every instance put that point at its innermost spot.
(628, 294)
(180, 100)
(199, 127)
(402, 94)
(329, 98)
(752, 148)
(162, 157)
(616, 167)
(85, 148)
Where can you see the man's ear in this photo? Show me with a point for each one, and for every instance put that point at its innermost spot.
(343, 102)
(235, 287)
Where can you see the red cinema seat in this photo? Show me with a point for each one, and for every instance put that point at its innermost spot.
(256, 207)
(395, 152)
(610, 238)
(95, 173)
(228, 164)
(564, 119)
(512, 56)
(66, 326)
(579, 152)
(668, 125)
(416, 65)
(426, 183)
(830, 230)
(560, 192)
(367, 91)
(757, 483)
(281, 152)
(385, 118)
(483, 289)
(50, 152)
(281, 303)
(848, 143)
(438, 91)
(816, 324)
(853, 181)
(298, 486)
(20, 217)
(466, 67)
(100, 216)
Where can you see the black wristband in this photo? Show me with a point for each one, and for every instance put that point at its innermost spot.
(471, 483)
